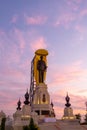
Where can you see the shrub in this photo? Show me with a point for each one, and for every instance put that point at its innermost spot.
(3, 124)
(31, 126)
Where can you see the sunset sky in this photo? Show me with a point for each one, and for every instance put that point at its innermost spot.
(60, 26)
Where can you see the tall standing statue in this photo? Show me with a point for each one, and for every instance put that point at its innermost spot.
(41, 67)
(39, 64)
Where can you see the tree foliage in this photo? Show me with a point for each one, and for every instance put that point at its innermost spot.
(31, 126)
(78, 116)
(3, 124)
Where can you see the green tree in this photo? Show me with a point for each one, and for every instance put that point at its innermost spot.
(25, 128)
(3, 123)
(78, 116)
(31, 126)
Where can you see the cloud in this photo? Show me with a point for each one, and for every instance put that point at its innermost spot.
(72, 16)
(13, 79)
(67, 74)
(13, 74)
(74, 4)
(20, 39)
(14, 19)
(82, 91)
(77, 103)
(68, 14)
(35, 20)
(80, 29)
(66, 79)
(83, 12)
(2, 32)
(13, 46)
(13, 85)
(38, 44)
(26, 64)
(11, 53)
(65, 19)
(10, 92)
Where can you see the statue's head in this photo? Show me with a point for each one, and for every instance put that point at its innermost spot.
(41, 57)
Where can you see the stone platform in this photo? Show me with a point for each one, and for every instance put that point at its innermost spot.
(63, 125)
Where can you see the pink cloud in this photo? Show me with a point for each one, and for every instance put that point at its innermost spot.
(26, 64)
(36, 20)
(14, 19)
(12, 105)
(12, 56)
(62, 82)
(77, 103)
(38, 43)
(2, 32)
(8, 56)
(13, 75)
(73, 72)
(10, 100)
(16, 41)
(74, 4)
(69, 17)
(80, 29)
(58, 112)
(10, 93)
(65, 19)
(20, 38)
(83, 12)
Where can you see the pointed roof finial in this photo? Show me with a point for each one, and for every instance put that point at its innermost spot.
(67, 93)
(52, 103)
(26, 98)
(19, 105)
(67, 98)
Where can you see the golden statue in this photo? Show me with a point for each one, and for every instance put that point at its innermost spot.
(40, 65)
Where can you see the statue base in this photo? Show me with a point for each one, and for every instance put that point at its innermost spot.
(41, 101)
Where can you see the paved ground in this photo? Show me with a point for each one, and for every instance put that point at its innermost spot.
(62, 125)
(49, 126)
